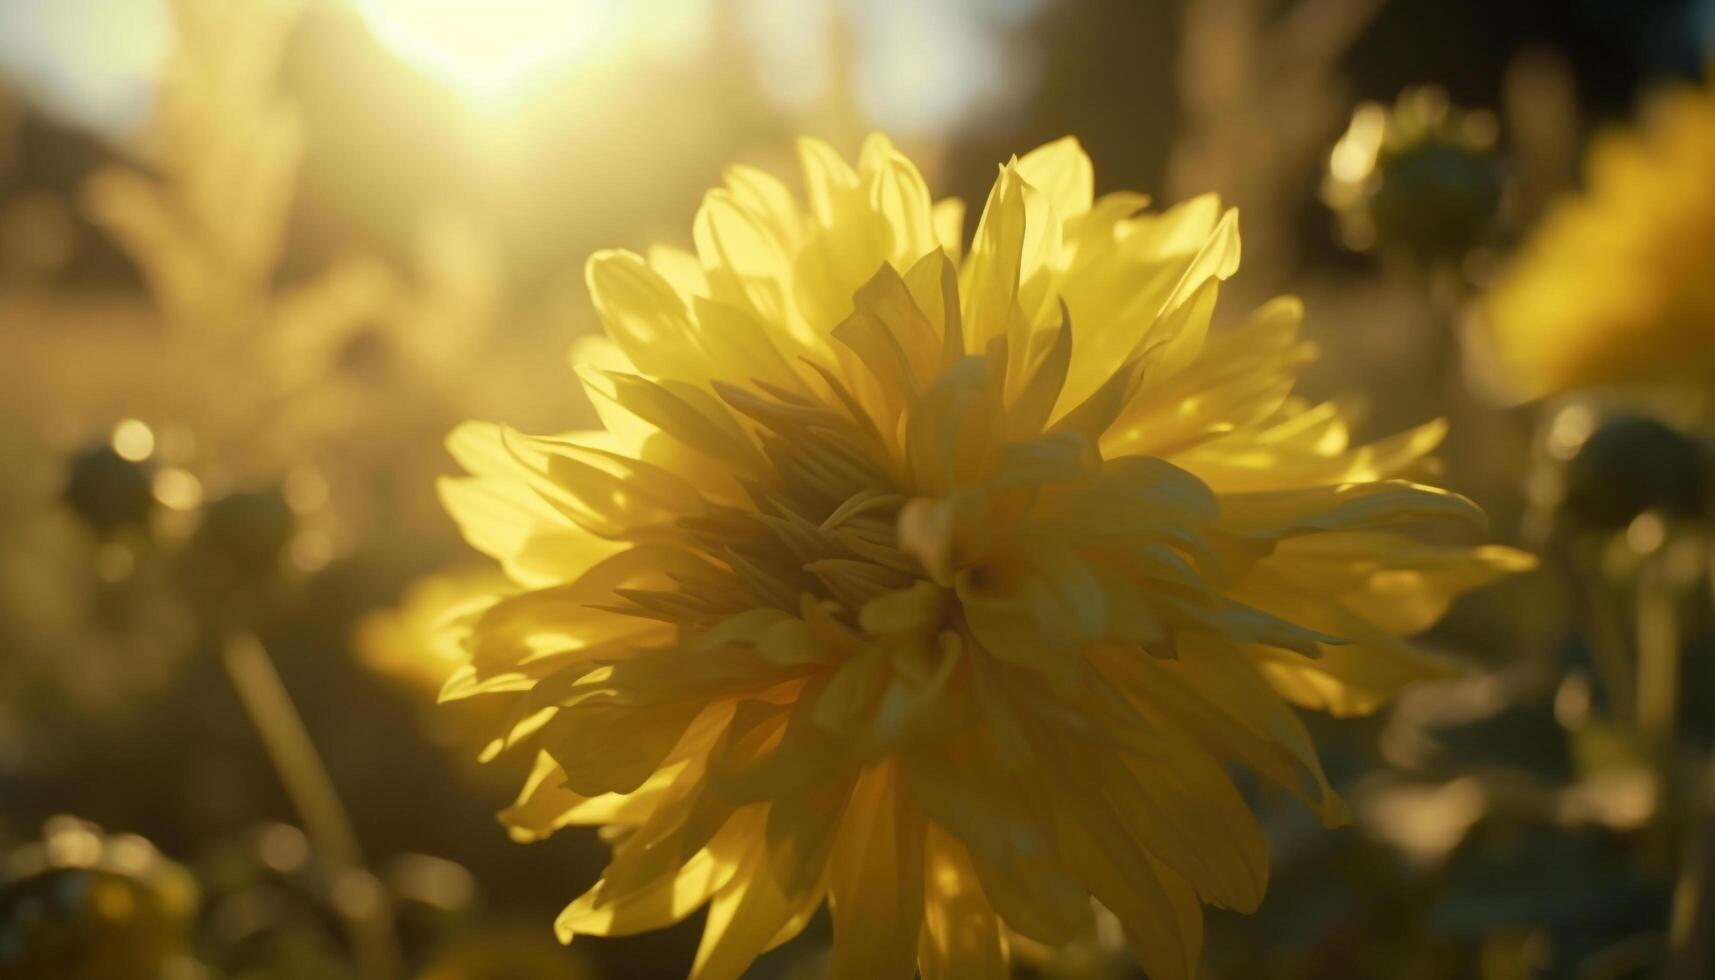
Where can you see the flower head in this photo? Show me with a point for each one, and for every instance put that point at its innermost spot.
(1614, 287)
(942, 590)
(1420, 177)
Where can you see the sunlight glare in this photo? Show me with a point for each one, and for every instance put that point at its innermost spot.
(90, 62)
(485, 47)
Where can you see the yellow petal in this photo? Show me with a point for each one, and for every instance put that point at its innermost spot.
(661, 904)
(1015, 240)
(876, 883)
(643, 314)
(962, 938)
(745, 918)
(1010, 846)
(1219, 699)
(1180, 805)
(680, 269)
(767, 198)
(1241, 378)
(692, 415)
(803, 832)
(604, 747)
(948, 217)
(746, 264)
(503, 518)
(1063, 172)
(894, 342)
(661, 900)
(899, 200)
(829, 181)
(1347, 507)
(1354, 680)
(934, 285)
(545, 805)
(1159, 909)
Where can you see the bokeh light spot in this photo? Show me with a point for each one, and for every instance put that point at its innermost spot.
(133, 440)
(178, 489)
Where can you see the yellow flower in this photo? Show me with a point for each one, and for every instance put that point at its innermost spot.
(942, 590)
(1615, 286)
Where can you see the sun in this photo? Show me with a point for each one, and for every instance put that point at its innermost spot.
(482, 47)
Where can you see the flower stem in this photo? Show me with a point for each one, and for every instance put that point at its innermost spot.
(364, 910)
(1593, 609)
(1691, 935)
(1658, 659)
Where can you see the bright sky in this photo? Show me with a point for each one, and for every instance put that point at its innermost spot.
(91, 62)
(919, 66)
(484, 48)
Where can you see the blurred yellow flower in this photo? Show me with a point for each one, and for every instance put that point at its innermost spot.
(1615, 286)
(944, 590)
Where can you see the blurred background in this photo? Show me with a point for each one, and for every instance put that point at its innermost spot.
(257, 257)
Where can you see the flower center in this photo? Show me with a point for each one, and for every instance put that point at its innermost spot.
(825, 525)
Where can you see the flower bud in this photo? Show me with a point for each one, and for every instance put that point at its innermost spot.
(107, 490)
(1420, 178)
(1630, 465)
(244, 534)
(83, 906)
